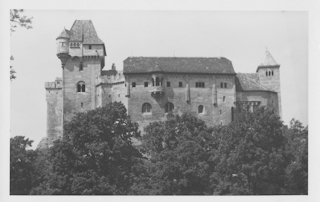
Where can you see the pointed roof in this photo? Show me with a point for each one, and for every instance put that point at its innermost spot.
(64, 34)
(268, 61)
(83, 30)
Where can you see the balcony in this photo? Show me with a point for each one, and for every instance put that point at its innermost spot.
(157, 90)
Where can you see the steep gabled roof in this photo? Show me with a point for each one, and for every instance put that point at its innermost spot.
(64, 34)
(83, 30)
(249, 82)
(268, 60)
(177, 65)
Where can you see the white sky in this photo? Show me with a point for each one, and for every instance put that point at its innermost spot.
(291, 37)
(240, 36)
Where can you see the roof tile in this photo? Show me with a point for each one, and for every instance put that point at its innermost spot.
(249, 82)
(178, 65)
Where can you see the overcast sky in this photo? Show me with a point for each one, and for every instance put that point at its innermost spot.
(239, 36)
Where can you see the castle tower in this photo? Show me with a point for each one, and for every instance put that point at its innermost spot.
(269, 75)
(54, 109)
(82, 55)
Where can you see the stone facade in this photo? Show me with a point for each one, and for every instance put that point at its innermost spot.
(149, 87)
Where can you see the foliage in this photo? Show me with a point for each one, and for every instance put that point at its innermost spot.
(16, 18)
(95, 156)
(21, 165)
(252, 157)
(180, 151)
(23, 21)
(297, 148)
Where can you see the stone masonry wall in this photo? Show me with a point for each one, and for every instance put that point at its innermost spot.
(54, 109)
(79, 101)
(207, 96)
(268, 99)
(271, 82)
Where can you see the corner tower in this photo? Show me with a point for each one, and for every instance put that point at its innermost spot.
(269, 76)
(82, 55)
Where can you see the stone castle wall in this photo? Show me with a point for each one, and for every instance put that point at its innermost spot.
(54, 109)
(217, 102)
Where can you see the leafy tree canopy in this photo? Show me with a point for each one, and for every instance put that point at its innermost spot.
(21, 165)
(95, 156)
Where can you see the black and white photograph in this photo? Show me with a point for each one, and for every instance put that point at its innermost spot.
(161, 102)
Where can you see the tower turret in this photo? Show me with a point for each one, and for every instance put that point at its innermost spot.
(63, 46)
(269, 75)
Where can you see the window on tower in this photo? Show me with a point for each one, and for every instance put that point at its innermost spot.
(81, 87)
(146, 108)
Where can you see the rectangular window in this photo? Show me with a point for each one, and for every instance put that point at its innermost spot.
(199, 84)
(63, 44)
(90, 46)
(133, 84)
(225, 85)
(145, 84)
(168, 83)
(221, 85)
(180, 84)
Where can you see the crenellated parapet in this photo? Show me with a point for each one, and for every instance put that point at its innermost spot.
(57, 84)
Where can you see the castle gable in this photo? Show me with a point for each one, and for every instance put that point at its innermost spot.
(178, 65)
(249, 82)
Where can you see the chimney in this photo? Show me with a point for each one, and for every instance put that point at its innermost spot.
(113, 67)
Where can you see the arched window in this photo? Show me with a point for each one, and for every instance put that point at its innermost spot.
(200, 109)
(157, 81)
(272, 73)
(146, 108)
(169, 107)
(266, 73)
(152, 81)
(81, 87)
(269, 73)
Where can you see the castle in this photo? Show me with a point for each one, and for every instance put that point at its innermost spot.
(150, 87)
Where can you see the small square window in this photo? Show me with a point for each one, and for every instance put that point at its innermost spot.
(133, 84)
(168, 83)
(180, 84)
(145, 84)
(225, 85)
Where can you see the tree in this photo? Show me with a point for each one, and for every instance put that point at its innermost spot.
(16, 19)
(297, 148)
(21, 165)
(95, 155)
(252, 156)
(180, 154)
